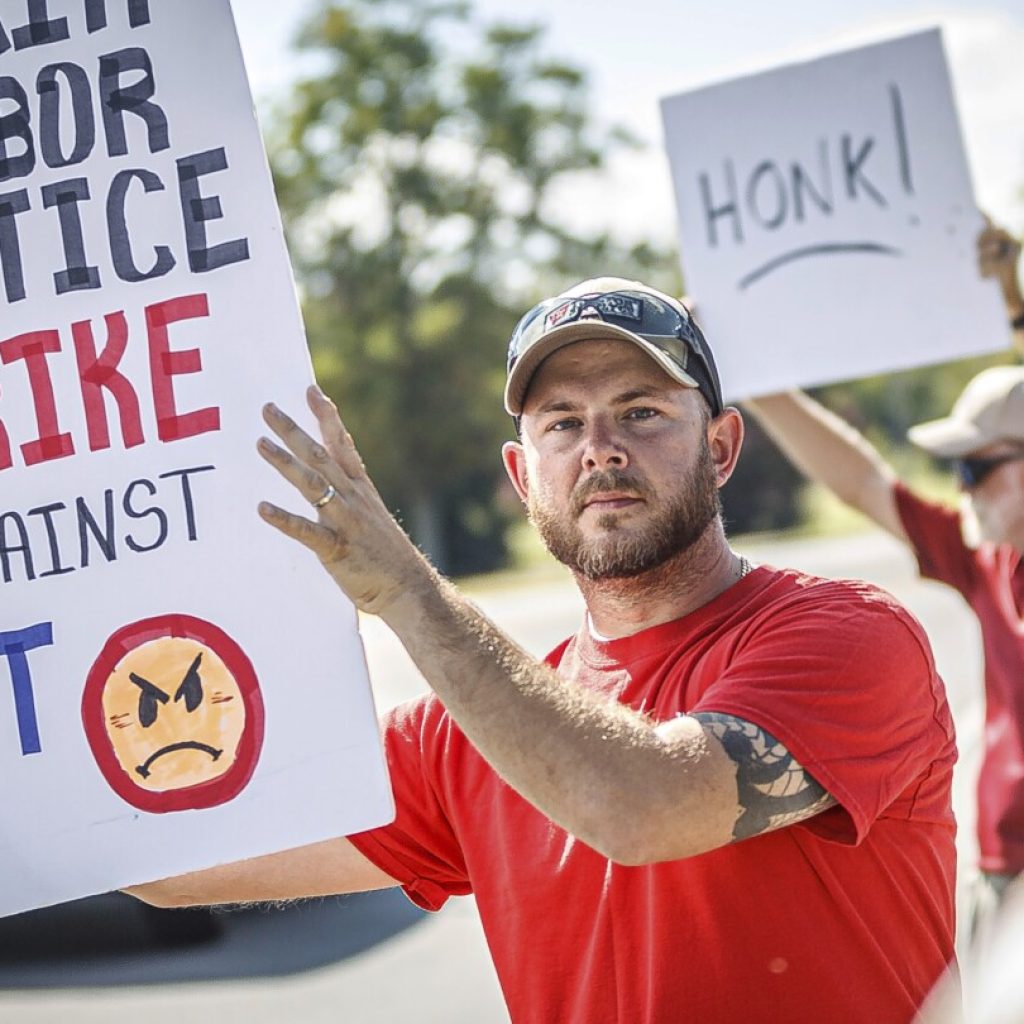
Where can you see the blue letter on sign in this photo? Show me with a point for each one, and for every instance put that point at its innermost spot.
(13, 647)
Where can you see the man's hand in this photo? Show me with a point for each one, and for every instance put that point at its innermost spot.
(998, 253)
(356, 538)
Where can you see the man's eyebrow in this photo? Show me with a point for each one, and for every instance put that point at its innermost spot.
(643, 391)
(558, 405)
(624, 398)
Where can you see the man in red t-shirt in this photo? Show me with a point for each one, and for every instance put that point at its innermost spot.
(984, 436)
(728, 796)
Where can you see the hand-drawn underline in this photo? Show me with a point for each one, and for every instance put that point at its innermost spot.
(815, 250)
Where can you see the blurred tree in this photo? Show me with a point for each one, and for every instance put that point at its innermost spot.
(422, 172)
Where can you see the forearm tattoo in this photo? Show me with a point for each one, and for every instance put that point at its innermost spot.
(773, 789)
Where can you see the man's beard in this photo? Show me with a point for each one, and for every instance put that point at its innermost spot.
(625, 550)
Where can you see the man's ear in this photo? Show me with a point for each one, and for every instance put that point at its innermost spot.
(725, 439)
(514, 457)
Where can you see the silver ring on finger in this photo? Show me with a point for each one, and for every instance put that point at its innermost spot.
(325, 497)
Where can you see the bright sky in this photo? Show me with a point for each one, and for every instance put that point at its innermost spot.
(647, 49)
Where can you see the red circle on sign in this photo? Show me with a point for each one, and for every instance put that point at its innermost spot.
(141, 642)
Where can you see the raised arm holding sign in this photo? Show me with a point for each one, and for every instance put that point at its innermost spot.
(982, 556)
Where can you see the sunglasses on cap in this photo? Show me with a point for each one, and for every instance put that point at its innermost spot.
(661, 326)
(971, 472)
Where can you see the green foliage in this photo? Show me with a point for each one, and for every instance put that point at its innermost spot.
(419, 172)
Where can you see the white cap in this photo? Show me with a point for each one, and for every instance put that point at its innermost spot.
(990, 409)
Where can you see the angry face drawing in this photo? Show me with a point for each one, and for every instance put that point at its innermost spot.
(173, 714)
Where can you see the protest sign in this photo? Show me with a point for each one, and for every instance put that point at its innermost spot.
(179, 684)
(826, 219)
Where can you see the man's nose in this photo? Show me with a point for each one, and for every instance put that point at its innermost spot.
(603, 449)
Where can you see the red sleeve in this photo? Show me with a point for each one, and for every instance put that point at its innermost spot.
(843, 677)
(935, 535)
(419, 849)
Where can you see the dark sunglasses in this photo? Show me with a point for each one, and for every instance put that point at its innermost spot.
(972, 472)
(662, 325)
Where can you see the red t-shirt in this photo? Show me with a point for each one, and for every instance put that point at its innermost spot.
(847, 917)
(991, 579)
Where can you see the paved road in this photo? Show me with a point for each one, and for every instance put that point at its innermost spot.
(438, 970)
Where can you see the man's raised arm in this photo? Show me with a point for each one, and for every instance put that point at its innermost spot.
(634, 790)
(829, 451)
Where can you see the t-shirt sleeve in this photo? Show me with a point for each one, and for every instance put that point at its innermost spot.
(935, 535)
(843, 677)
(419, 849)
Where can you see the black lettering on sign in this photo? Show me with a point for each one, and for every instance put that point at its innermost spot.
(186, 495)
(153, 510)
(852, 169)
(82, 111)
(89, 527)
(96, 14)
(197, 210)
(820, 194)
(726, 209)
(117, 100)
(12, 523)
(65, 196)
(46, 512)
(138, 13)
(15, 127)
(11, 205)
(779, 203)
(117, 226)
(774, 193)
(40, 29)
(82, 533)
(902, 145)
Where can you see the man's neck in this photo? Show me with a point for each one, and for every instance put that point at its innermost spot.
(621, 607)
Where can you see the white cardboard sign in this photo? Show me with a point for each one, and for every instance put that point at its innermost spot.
(826, 219)
(179, 685)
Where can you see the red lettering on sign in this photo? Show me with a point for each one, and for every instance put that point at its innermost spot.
(33, 348)
(98, 372)
(165, 364)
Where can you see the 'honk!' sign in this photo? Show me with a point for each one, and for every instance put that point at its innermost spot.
(179, 685)
(826, 219)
